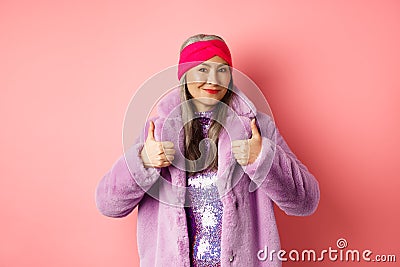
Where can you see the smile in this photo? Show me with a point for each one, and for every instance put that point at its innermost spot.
(211, 91)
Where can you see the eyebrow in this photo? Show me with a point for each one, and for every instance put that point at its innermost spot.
(219, 65)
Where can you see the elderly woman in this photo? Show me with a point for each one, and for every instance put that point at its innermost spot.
(236, 165)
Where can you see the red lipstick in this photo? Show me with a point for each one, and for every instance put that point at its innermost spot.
(211, 91)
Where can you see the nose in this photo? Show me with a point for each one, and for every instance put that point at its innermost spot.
(212, 77)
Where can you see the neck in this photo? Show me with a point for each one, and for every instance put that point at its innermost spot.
(203, 108)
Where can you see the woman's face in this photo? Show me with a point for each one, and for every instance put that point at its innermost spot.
(208, 82)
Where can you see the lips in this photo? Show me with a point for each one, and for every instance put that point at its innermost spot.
(211, 91)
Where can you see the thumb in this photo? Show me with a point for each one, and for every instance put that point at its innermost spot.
(254, 129)
(150, 133)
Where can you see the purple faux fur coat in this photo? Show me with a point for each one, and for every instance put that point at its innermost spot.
(248, 193)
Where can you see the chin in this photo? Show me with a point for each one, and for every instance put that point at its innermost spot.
(210, 101)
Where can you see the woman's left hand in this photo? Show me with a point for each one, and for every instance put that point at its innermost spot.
(247, 151)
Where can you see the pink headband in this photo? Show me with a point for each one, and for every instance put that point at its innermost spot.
(193, 54)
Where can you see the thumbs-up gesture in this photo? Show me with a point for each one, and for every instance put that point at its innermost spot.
(156, 154)
(246, 151)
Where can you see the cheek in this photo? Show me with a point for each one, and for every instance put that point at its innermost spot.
(224, 93)
(225, 80)
(193, 89)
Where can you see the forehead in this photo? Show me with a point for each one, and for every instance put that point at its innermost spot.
(215, 60)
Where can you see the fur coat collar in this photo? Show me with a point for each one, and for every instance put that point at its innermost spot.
(236, 127)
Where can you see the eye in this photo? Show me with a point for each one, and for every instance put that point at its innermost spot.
(202, 69)
(223, 69)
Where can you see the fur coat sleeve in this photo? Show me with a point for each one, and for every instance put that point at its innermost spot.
(285, 179)
(123, 186)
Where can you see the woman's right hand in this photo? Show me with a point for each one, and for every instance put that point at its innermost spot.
(156, 154)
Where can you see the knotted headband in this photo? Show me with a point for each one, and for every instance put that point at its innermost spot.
(193, 54)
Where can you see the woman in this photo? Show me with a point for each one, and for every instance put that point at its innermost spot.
(233, 167)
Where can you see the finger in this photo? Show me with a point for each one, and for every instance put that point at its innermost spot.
(158, 162)
(238, 143)
(162, 164)
(163, 148)
(241, 156)
(169, 151)
(165, 164)
(167, 144)
(150, 133)
(161, 154)
(254, 129)
(158, 148)
(160, 158)
(236, 155)
(164, 158)
(242, 161)
(239, 150)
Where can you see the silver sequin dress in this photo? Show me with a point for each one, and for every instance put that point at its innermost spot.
(204, 216)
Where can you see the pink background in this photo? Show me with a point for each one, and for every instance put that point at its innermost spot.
(329, 69)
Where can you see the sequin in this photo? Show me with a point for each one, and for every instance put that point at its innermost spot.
(204, 215)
